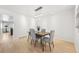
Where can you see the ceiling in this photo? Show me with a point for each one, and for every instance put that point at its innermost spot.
(30, 9)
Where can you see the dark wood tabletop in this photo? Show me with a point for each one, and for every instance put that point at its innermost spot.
(42, 33)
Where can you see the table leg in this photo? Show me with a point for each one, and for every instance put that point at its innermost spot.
(42, 45)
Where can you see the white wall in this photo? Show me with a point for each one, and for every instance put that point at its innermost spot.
(77, 40)
(76, 28)
(63, 23)
(20, 26)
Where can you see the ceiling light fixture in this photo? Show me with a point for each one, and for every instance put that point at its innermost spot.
(39, 8)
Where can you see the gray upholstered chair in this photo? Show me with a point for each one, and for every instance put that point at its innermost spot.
(49, 39)
(33, 37)
(29, 35)
(43, 30)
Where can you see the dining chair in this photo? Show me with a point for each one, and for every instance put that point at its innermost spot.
(28, 36)
(49, 39)
(43, 30)
(33, 37)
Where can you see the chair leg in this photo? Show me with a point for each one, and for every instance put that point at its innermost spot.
(35, 43)
(53, 44)
(50, 47)
(28, 38)
(41, 42)
(31, 42)
(42, 46)
(45, 45)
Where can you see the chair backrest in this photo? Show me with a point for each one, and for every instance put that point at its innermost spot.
(52, 35)
(43, 30)
(32, 33)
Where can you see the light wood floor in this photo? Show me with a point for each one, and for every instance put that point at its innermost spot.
(21, 45)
